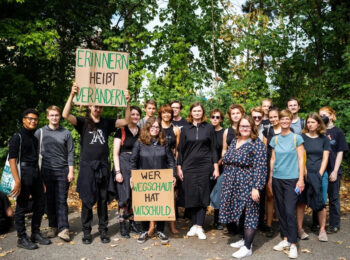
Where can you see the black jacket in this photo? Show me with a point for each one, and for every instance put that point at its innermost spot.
(314, 191)
(152, 156)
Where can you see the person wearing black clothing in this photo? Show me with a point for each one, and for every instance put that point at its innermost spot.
(6, 213)
(197, 161)
(338, 147)
(172, 137)
(268, 133)
(24, 146)
(177, 120)
(265, 105)
(234, 113)
(216, 117)
(317, 149)
(124, 140)
(94, 173)
(152, 152)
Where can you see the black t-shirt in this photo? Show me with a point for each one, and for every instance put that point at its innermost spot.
(129, 140)
(4, 205)
(314, 148)
(94, 144)
(181, 123)
(29, 147)
(230, 135)
(170, 136)
(338, 144)
(219, 135)
(266, 123)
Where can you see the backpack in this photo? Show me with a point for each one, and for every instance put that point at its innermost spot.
(122, 129)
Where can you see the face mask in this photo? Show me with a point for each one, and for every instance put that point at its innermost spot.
(325, 119)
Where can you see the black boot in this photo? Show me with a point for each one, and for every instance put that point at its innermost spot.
(133, 227)
(24, 242)
(124, 232)
(38, 238)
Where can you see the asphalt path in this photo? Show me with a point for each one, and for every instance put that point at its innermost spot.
(216, 246)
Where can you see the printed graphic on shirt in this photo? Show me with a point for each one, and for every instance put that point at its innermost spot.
(97, 136)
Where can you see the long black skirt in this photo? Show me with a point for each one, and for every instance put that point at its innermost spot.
(123, 189)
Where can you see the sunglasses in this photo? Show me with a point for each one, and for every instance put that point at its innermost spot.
(215, 117)
(257, 117)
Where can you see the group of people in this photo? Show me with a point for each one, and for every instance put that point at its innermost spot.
(269, 162)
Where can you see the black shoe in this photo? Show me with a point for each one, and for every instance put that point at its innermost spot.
(25, 243)
(38, 238)
(332, 230)
(263, 227)
(163, 238)
(269, 232)
(124, 232)
(218, 226)
(315, 228)
(104, 238)
(133, 227)
(87, 239)
(143, 237)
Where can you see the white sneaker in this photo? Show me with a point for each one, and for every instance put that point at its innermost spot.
(281, 245)
(193, 231)
(238, 244)
(293, 252)
(200, 233)
(242, 252)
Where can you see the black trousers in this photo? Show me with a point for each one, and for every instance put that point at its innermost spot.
(57, 187)
(198, 215)
(285, 200)
(102, 210)
(160, 226)
(31, 184)
(5, 224)
(334, 202)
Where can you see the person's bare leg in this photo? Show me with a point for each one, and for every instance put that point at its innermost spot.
(269, 207)
(300, 214)
(322, 216)
(173, 228)
(152, 227)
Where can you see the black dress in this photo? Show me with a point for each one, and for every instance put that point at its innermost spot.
(197, 155)
(230, 136)
(123, 189)
(170, 136)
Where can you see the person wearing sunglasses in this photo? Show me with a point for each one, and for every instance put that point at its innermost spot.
(28, 181)
(257, 114)
(216, 117)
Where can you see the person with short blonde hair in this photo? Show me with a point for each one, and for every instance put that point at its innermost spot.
(57, 150)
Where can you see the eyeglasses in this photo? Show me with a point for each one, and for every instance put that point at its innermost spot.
(155, 127)
(32, 119)
(257, 117)
(215, 117)
(245, 127)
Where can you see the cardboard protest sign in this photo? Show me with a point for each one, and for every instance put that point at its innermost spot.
(153, 195)
(102, 77)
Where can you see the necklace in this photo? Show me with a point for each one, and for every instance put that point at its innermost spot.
(134, 130)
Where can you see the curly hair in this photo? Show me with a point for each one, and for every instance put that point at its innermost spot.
(145, 136)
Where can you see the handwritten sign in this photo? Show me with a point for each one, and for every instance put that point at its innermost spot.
(102, 77)
(153, 195)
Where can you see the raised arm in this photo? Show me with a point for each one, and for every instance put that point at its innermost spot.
(124, 121)
(66, 111)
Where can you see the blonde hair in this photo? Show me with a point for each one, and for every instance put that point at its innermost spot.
(53, 107)
(286, 113)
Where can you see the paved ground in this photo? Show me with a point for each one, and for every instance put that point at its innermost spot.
(215, 247)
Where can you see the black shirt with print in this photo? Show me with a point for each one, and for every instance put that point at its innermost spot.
(94, 144)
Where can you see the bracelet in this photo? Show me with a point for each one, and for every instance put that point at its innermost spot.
(118, 172)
